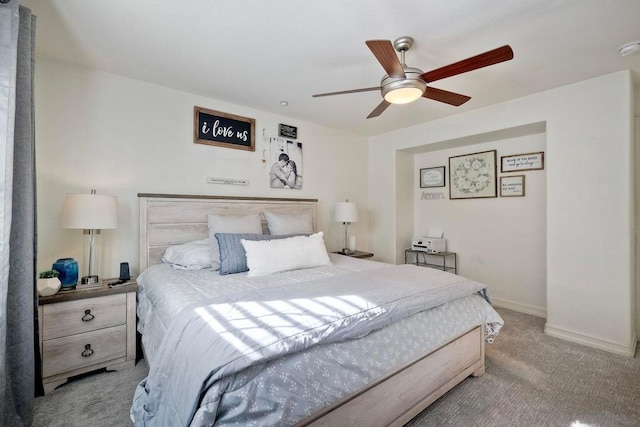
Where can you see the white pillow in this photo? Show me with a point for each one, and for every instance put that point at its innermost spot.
(230, 224)
(283, 224)
(272, 256)
(189, 256)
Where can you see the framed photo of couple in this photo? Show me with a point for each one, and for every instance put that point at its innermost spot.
(286, 164)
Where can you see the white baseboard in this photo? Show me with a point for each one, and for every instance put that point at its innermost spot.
(611, 347)
(520, 308)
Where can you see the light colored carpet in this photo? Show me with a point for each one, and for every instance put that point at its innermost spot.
(100, 399)
(531, 380)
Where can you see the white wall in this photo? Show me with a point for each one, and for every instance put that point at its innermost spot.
(637, 192)
(123, 137)
(499, 241)
(590, 200)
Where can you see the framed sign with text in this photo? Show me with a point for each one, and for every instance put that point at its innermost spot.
(212, 127)
(432, 177)
(522, 162)
(512, 186)
(287, 131)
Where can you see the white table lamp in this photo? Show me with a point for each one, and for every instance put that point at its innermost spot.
(346, 213)
(91, 213)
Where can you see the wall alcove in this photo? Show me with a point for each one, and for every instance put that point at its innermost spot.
(500, 241)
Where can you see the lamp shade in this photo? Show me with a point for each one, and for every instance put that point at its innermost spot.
(89, 211)
(346, 212)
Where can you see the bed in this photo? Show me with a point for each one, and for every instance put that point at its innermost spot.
(406, 350)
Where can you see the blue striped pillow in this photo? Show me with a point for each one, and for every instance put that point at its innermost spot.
(233, 258)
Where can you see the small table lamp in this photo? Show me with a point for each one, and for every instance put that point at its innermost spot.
(90, 212)
(346, 213)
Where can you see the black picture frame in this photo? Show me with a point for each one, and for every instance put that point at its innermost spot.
(433, 177)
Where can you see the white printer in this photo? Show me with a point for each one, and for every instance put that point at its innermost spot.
(433, 243)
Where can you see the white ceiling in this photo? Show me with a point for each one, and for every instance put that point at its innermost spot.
(257, 53)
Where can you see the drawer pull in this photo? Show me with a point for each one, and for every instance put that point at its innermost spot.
(88, 317)
(88, 351)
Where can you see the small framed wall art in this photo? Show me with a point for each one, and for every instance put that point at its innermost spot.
(433, 177)
(473, 176)
(522, 162)
(512, 186)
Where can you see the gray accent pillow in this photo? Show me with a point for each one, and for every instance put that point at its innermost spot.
(289, 224)
(250, 223)
(233, 258)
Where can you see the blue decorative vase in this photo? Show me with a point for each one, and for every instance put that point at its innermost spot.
(68, 269)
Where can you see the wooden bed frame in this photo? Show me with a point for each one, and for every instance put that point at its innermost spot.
(167, 219)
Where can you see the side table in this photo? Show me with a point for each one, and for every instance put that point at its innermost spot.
(355, 254)
(428, 257)
(83, 330)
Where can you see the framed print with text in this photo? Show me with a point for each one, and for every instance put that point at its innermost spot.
(433, 177)
(220, 129)
(522, 162)
(512, 186)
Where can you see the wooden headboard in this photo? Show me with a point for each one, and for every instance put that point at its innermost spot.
(172, 219)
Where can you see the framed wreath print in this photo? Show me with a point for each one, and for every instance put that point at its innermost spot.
(473, 176)
(512, 186)
(432, 177)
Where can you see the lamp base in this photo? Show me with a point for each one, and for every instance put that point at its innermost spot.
(90, 280)
(347, 251)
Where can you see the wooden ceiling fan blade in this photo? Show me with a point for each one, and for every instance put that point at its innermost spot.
(386, 56)
(491, 57)
(445, 96)
(379, 109)
(342, 92)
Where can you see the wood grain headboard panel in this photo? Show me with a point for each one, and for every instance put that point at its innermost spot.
(171, 219)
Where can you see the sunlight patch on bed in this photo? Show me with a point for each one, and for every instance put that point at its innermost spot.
(252, 325)
(216, 326)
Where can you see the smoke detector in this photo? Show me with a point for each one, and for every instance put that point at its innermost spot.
(629, 48)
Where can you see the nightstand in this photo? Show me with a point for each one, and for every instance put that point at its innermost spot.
(355, 254)
(83, 330)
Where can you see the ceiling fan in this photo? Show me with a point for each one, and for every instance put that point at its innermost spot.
(403, 84)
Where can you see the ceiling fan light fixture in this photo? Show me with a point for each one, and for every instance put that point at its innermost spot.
(403, 91)
(403, 95)
(402, 84)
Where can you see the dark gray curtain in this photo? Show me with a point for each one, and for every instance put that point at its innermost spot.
(20, 365)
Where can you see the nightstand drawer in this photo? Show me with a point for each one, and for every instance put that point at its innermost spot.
(77, 351)
(84, 315)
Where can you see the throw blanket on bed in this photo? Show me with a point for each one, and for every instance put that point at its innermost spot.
(213, 340)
